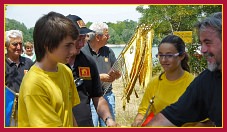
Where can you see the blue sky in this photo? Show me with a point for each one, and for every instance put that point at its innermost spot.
(29, 14)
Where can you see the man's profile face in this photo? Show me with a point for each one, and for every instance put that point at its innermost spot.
(104, 37)
(211, 47)
(80, 43)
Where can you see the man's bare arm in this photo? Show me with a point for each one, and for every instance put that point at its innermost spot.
(103, 111)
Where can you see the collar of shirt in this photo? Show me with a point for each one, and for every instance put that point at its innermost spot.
(91, 50)
(11, 63)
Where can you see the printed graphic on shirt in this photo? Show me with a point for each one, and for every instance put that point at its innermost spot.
(84, 72)
(106, 59)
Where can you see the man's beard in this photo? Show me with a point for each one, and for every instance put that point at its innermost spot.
(212, 66)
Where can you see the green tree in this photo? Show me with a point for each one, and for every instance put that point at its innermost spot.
(11, 24)
(88, 24)
(128, 32)
(114, 37)
(127, 35)
(169, 18)
(205, 10)
(124, 29)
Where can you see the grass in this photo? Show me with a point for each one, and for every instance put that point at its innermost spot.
(126, 117)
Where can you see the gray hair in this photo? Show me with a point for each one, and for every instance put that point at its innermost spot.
(98, 27)
(214, 21)
(12, 34)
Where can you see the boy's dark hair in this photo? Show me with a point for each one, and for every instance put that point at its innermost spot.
(49, 31)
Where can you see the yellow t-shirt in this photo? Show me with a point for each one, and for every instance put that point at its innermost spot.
(166, 92)
(46, 98)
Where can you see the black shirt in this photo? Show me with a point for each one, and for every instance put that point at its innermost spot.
(90, 86)
(14, 74)
(201, 100)
(104, 61)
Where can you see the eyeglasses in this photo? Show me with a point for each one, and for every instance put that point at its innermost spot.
(106, 35)
(16, 43)
(167, 56)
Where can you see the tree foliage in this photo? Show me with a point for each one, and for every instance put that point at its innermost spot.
(120, 32)
(11, 24)
(169, 18)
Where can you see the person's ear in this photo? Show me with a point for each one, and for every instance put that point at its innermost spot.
(97, 37)
(182, 56)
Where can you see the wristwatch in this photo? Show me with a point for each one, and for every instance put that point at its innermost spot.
(107, 118)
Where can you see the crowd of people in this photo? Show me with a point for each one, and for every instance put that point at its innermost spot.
(64, 78)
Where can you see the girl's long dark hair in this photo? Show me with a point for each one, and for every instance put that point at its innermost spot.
(179, 44)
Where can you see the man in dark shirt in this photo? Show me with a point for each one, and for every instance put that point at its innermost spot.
(87, 81)
(203, 97)
(16, 66)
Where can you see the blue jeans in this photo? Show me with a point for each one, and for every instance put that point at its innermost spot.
(110, 98)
